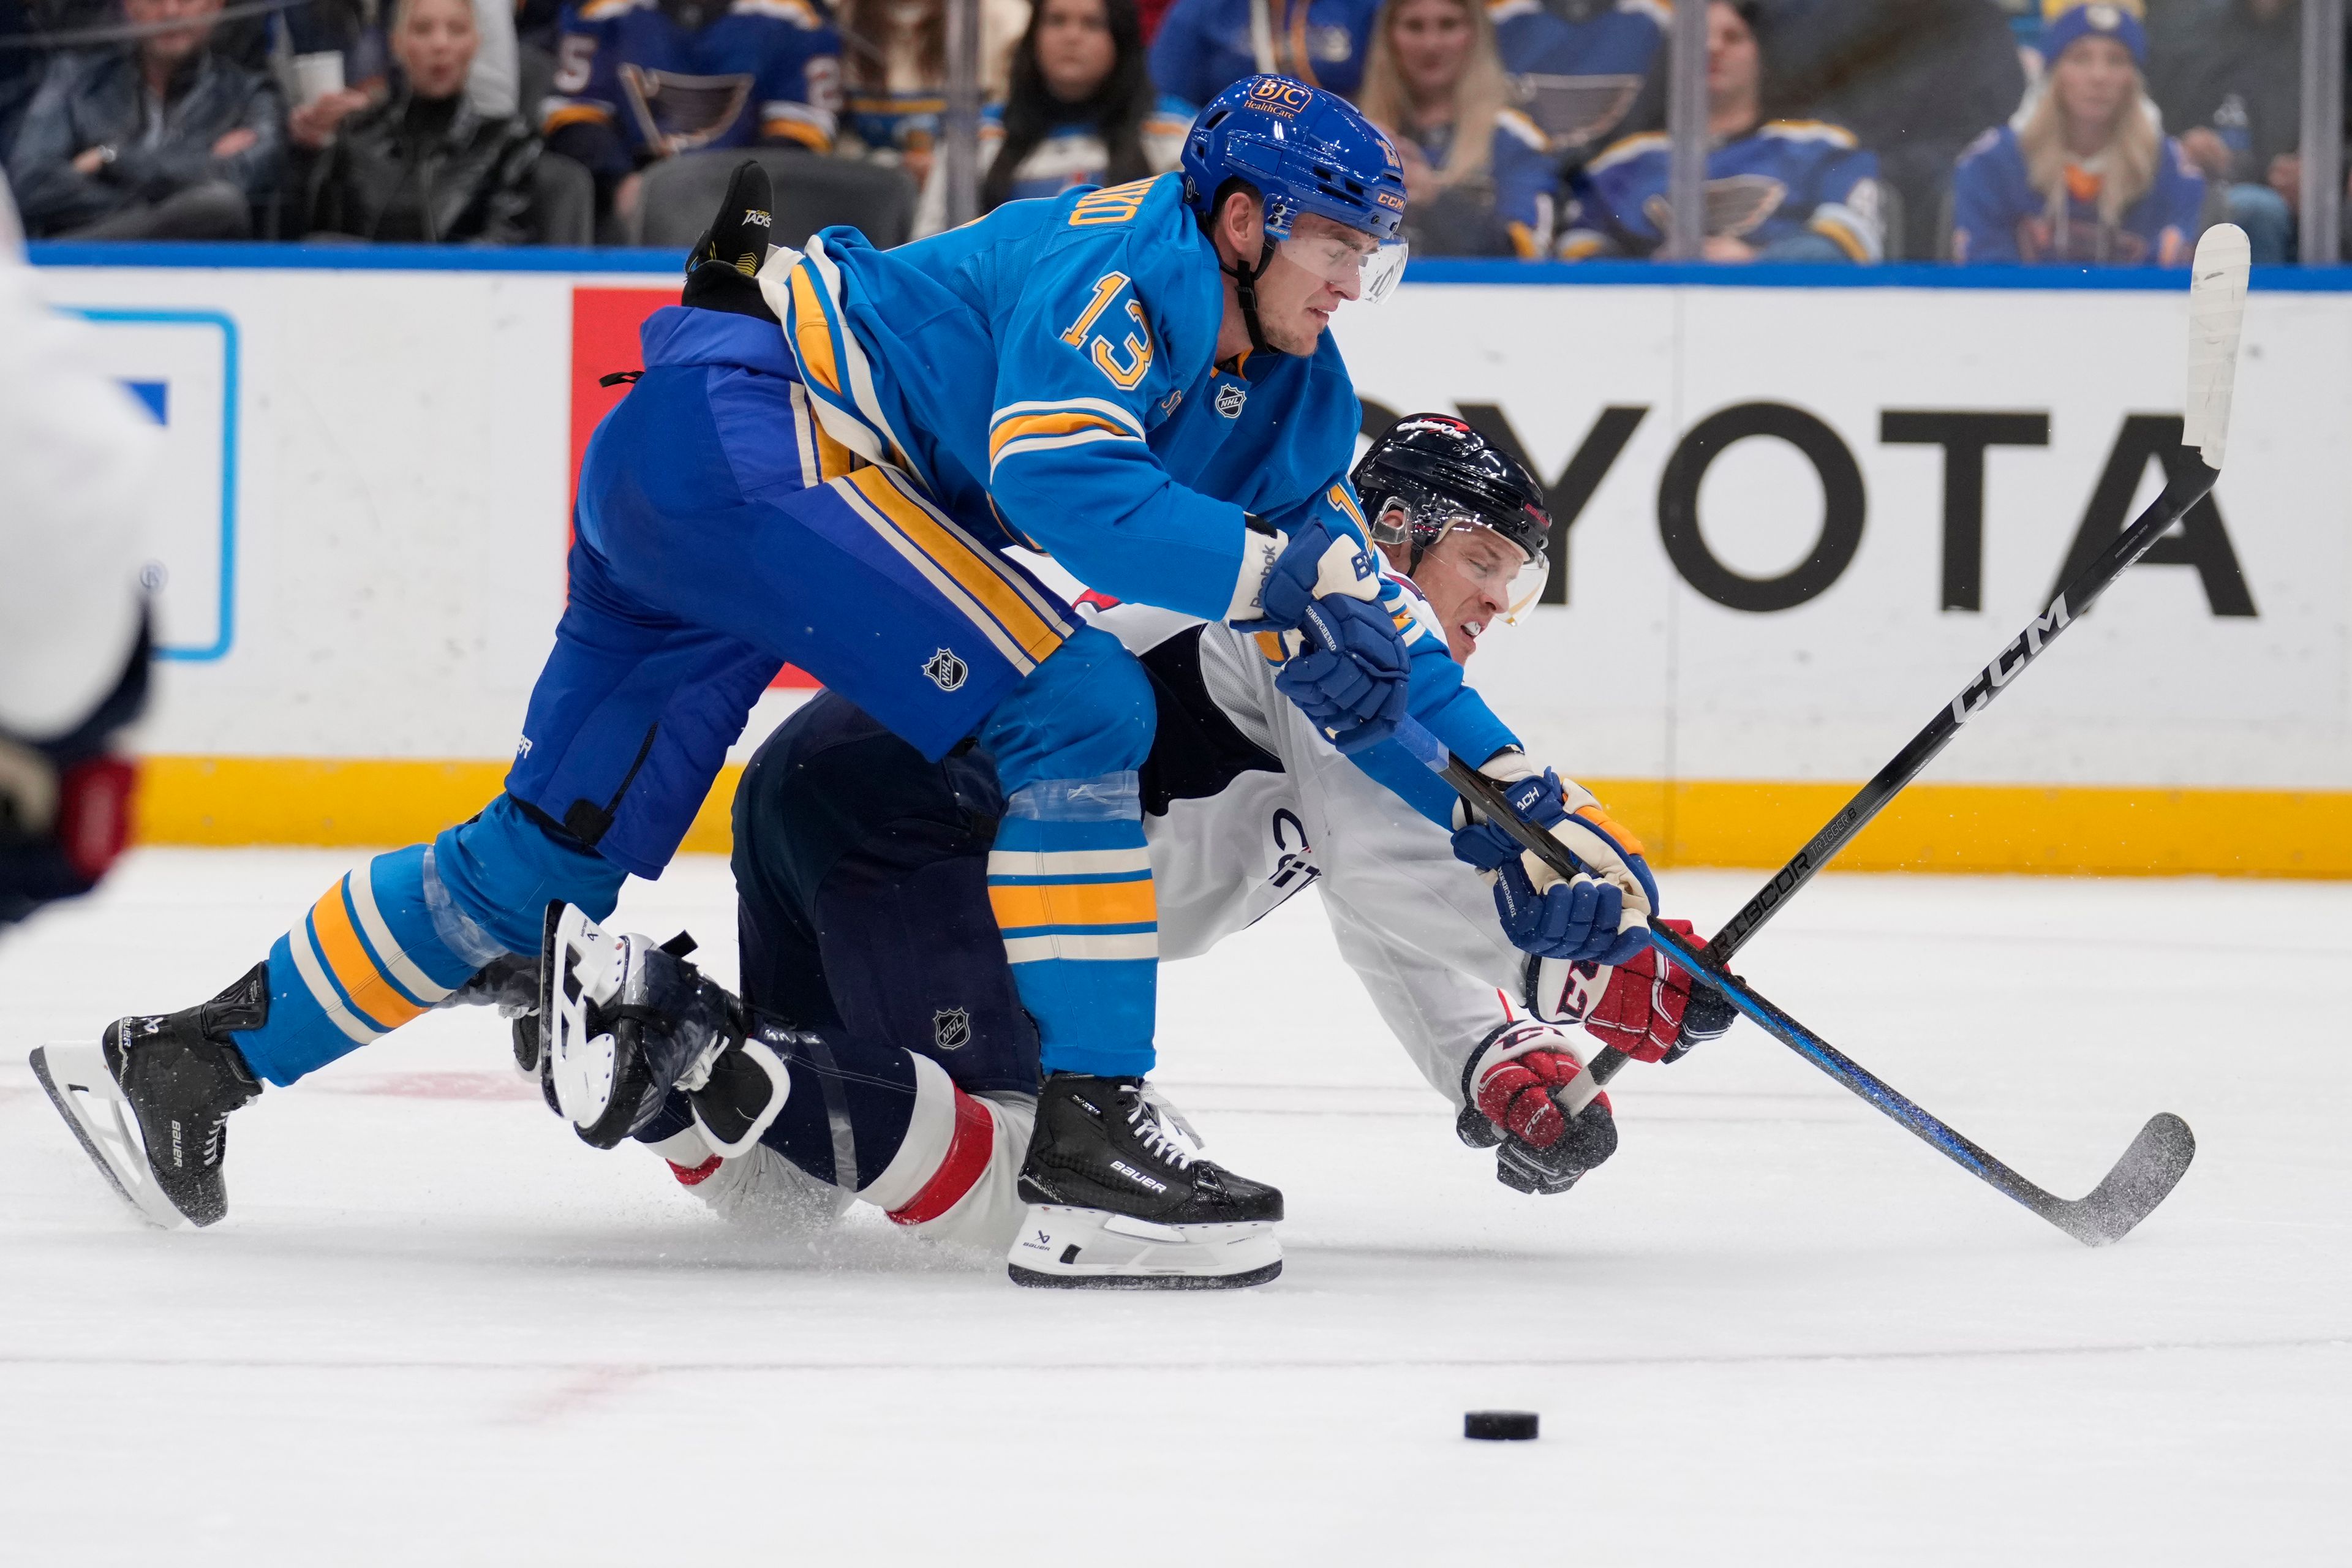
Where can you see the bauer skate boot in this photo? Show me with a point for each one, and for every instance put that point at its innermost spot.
(1120, 1199)
(624, 1021)
(178, 1075)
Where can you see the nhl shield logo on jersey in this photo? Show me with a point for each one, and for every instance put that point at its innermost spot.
(946, 670)
(1231, 395)
(950, 1029)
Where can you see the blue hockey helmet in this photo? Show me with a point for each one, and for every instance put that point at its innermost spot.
(1306, 150)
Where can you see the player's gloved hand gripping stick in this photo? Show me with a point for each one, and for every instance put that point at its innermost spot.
(2159, 1156)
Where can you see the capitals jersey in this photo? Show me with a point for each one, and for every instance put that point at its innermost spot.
(1581, 80)
(659, 82)
(1998, 216)
(1049, 374)
(1206, 46)
(1246, 806)
(1785, 178)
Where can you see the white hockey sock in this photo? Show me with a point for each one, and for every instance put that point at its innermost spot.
(952, 1178)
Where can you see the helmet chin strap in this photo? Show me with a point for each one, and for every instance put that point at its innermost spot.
(1245, 294)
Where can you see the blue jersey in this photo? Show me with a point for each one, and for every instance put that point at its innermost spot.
(1204, 45)
(1998, 216)
(1049, 374)
(1785, 179)
(1072, 154)
(765, 70)
(1579, 80)
(1523, 181)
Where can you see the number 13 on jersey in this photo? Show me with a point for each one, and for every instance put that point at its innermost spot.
(1136, 349)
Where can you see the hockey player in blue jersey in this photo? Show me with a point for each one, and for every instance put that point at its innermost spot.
(1134, 379)
(1780, 190)
(638, 80)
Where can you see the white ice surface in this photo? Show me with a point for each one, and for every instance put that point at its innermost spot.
(1775, 1328)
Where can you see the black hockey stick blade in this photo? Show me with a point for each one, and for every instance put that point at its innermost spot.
(2142, 1179)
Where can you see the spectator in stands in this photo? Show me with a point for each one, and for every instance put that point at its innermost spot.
(1206, 46)
(1777, 190)
(2233, 75)
(1916, 83)
(640, 80)
(1079, 111)
(1479, 180)
(161, 139)
(897, 74)
(2084, 174)
(422, 167)
(1585, 70)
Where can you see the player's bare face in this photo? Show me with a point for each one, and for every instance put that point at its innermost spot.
(1467, 574)
(1431, 41)
(1296, 299)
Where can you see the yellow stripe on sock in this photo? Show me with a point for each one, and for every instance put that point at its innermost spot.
(1073, 904)
(370, 989)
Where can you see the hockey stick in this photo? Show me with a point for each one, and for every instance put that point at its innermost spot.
(2148, 1170)
(2217, 299)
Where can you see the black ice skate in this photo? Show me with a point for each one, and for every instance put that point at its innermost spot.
(1117, 1199)
(624, 1021)
(179, 1076)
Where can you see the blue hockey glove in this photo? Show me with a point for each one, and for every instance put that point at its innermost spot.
(1352, 675)
(1597, 915)
(1351, 678)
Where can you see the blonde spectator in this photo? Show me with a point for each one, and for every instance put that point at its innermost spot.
(1478, 176)
(2085, 173)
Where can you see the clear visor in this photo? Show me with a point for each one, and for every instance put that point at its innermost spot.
(1496, 569)
(1358, 274)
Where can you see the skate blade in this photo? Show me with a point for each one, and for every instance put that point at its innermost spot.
(75, 1079)
(1075, 1248)
(577, 966)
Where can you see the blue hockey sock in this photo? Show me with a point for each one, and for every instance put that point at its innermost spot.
(1070, 879)
(397, 935)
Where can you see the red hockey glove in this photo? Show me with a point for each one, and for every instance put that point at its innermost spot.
(1651, 1010)
(1527, 1090)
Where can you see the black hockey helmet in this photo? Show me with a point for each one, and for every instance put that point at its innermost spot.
(1429, 473)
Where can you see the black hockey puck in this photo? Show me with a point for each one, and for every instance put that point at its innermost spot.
(1501, 1425)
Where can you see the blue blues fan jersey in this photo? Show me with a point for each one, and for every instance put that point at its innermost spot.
(1206, 45)
(1784, 179)
(1998, 216)
(1523, 182)
(1047, 374)
(760, 70)
(1579, 80)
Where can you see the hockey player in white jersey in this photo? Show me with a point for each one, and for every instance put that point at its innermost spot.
(872, 965)
(75, 462)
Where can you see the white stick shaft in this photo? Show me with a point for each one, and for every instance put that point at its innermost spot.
(2216, 308)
